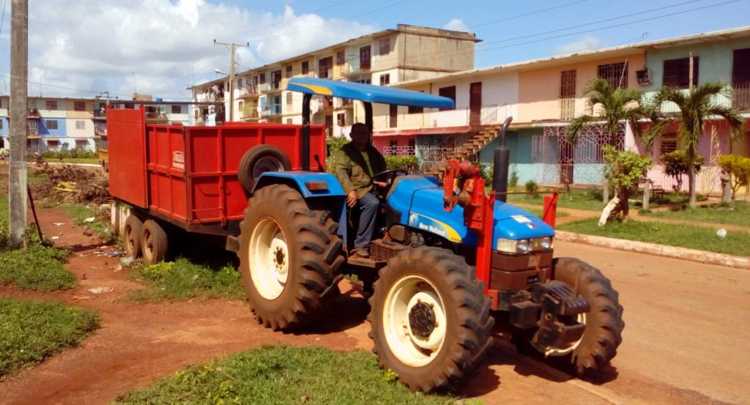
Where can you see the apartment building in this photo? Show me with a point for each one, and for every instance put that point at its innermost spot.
(57, 123)
(543, 96)
(386, 57)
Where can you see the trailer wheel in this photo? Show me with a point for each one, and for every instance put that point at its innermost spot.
(258, 160)
(289, 255)
(430, 320)
(154, 242)
(133, 236)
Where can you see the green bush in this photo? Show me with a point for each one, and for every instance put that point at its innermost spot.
(739, 169)
(676, 165)
(76, 153)
(513, 180)
(532, 188)
(32, 331)
(407, 163)
(35, 268)
(623, 170)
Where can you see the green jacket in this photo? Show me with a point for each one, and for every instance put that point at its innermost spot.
(352, 170)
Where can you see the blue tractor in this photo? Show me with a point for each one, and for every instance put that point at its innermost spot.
(450, 265)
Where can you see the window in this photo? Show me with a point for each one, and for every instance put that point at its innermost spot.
(449, 92)
(615, 73)
(289, 98)
(364, 57)
(79, 106)
(415, 110)
(305, 67)
(80, 124)
(393, 143)
(741, 78)
(341, 119)
(50, 124)
(81, 144)
(567, 94)
(289, 121)
(176, 109)
(384, 46)
(262, 78)
(677, 73)
(324, 65)
(239, 83)
(276, 79)
(241, 105)
(668, 143)
(393, 113)
(50, 104)
(2, 121)
(385, 79)
(289, 71)
(53, 144)
(340, 58)
(412, 144)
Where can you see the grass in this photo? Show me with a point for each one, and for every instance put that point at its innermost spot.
(37, 268)
(32, 331)
(80, 213)
(284, 375)
(182, 279)
(92, 160)
(736, 214)
(589, 200)
(735, 243)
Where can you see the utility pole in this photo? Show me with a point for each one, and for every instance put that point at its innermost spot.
(232, 51)
(19, 70)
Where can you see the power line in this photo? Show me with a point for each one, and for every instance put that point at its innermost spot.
(528, 14)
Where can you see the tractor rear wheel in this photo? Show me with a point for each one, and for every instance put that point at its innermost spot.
(289, 255)
(132, 236)
(430, 320)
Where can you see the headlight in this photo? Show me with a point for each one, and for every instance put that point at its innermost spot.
(524, 245)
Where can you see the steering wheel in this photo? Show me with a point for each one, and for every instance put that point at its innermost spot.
(387, 177)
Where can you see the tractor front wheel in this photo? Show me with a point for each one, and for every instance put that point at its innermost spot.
(289, 255)
(430, 320)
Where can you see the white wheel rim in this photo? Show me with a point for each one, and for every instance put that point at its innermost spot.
(269, 259)
(556, 351)
(412, 344)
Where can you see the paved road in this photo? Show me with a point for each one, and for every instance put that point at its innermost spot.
(685, 341)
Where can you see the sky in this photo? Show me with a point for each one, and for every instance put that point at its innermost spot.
(83, 48)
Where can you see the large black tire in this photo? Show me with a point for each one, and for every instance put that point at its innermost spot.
(259, 159)
(604, 324)
(468, 328)
(155, 242)
(132, 236)
(313, 256)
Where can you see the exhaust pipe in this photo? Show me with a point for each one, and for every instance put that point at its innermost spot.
(501, 165)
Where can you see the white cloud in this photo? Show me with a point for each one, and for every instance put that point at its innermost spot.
(456, 24)
(159, 47)
(587, 43)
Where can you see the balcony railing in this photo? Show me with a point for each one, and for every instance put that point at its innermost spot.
(741, 96)
(402, 150)
(272, 109)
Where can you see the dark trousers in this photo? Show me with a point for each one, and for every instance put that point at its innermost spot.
(368, 211)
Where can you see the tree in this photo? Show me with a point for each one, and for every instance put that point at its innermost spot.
(624, 170)
(617, 105)
(696, 105)
(738, 167)
(676, 165)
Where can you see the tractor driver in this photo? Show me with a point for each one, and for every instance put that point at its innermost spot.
(356, 164)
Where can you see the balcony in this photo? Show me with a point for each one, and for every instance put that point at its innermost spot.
(271, 110)
(264, 88)
(741, 96)
(250, 112)
(247, 92)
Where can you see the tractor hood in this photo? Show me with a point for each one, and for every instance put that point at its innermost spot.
(418, 202)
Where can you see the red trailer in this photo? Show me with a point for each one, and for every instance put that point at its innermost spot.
(195, 177)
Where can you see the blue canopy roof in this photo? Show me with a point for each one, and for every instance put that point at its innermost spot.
(367, 92)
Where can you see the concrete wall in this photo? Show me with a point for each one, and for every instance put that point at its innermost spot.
(539, 90)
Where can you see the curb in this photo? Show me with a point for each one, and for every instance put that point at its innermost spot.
(694, 255)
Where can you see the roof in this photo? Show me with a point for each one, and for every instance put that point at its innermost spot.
(616, 51)
(400, 28)
(367, 92)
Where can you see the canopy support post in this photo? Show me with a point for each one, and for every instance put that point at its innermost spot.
(305, 144)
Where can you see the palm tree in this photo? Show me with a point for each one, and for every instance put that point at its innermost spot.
(617, 105)
(696, 105)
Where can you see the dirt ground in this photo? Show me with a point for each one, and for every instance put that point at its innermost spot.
(683, 343)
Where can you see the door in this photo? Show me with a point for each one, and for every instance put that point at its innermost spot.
(475, 104)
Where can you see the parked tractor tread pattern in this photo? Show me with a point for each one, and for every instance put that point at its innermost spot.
(604, 324)
(133, 236)
(248, 160)
(155, 242)
(314, 252)
(470, 322)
